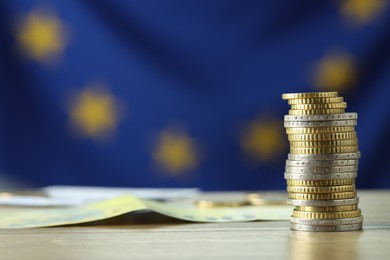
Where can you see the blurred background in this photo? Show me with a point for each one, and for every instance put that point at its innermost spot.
(182, 93)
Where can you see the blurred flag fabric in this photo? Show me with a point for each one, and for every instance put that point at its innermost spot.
(183, 93)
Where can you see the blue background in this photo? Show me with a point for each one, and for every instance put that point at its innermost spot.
(205, 66)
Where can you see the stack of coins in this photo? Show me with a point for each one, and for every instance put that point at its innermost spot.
(322, 164)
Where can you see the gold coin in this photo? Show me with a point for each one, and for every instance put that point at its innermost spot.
(327, 215)
(315, 100)
(287, 96)
(318, 106)
(322, 196)
(220, 204)
(322, 137)
(324, 189)
(337, 182)
(319, 130)
(324, 150)
(257, 199)
(345, 142)
(327, 209)
(316, 111)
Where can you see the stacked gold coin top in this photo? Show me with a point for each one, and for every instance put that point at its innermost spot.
(323, 162)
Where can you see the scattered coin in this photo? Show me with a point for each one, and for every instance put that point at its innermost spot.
(220, 204)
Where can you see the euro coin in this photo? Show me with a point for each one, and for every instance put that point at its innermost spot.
(322, 137)
(305, 124)
(326, 189)
(325, 196)
(318, 183)
(327, 222)
(327, 209)
(257, 199)
(316, 111)
(321, 176)
(327, 163)
(331, 117)
(328, 143)
(321, 170)
(308, 95)
(220, 204)
(342, 156)
(318, 106)
(333, 228)
(318, 100)
(326, 215)
(322, 150)
(320, 130)
(324, 203)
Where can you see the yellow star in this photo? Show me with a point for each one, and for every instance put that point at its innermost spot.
(175, 152)
(263, 140)
(335, 72)
(362, 11)
(94, 112)
(41, 35)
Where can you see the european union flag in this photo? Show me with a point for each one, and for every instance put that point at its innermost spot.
(183, 93)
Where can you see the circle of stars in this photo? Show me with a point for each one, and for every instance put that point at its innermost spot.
(95, 113)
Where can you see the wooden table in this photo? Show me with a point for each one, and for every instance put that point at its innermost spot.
(152, 236)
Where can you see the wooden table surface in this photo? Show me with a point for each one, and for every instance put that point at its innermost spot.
(152, 236)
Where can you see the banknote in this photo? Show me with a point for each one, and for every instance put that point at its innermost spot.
(99, 210)
(52, 196)
(190, 212)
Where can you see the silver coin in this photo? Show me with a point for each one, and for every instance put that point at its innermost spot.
(333, 156)
(326, 222)
(324, 203)
(345, 116)
(335, 228)
(333, 176)
(321, 170)
(302, 124)
(321, 163)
